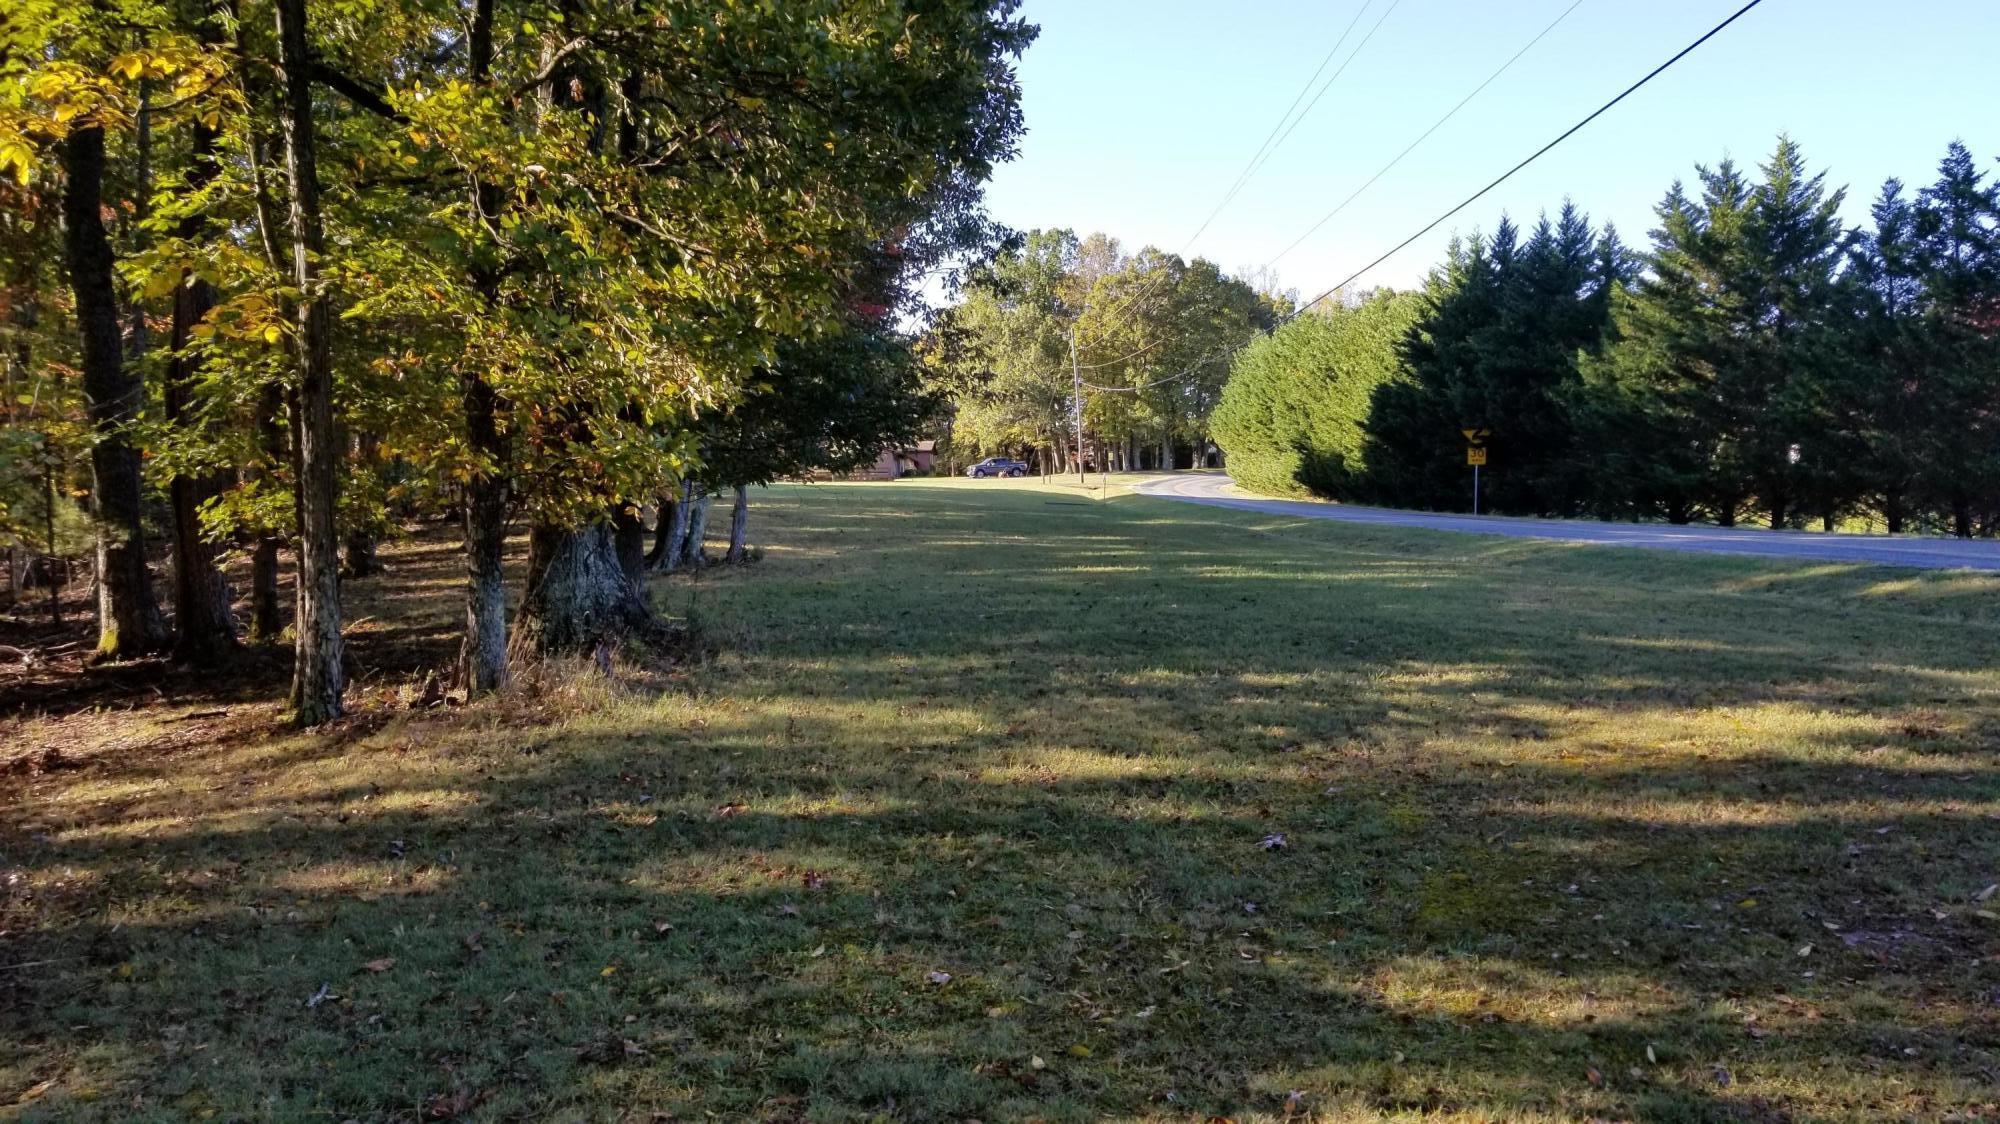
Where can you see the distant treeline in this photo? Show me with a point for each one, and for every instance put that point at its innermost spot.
(1759, 360)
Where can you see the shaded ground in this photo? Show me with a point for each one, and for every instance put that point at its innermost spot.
(1920, 551)
(1006, 804)
(400, 624)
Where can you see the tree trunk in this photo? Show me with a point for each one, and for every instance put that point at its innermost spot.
(204, 626)
(205, 629)
(363, 535)
(1166, 454)
(317, 675)
(129, 621)
(1781, 513)
(1725, 513)
(663, 522)
(676, 529)
(1961, 515)
(739, 526)
(578, 596)
(1892, 510)
(55, 585)
(483, 651)
(358, 556)
(629, 532)
(482, 656)
(267, 617)
(692, 553)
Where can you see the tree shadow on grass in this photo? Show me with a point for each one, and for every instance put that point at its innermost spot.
(929, 826)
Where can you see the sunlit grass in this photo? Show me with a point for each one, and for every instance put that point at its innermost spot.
(1003, 802)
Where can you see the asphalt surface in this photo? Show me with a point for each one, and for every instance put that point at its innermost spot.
(1923, 553)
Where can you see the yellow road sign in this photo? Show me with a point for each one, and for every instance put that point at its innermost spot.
(1476, 436)
(1475, 455)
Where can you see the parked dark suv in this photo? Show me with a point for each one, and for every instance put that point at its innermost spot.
(997, 466)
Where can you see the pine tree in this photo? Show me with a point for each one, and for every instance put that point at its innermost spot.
(1958, 246)
(1708, 395)
(1497, 350)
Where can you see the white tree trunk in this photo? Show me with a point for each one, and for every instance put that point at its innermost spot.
(697, 532)
(739, 525)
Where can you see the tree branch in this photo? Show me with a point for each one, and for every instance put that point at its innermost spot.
(355, 91)
(549, 68)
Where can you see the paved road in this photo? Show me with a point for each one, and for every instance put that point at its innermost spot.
(1924, 553)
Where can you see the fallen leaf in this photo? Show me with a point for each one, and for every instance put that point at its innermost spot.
(1036, 1062)
(1272, 842)
(1987, 894)
(1079, 1051)
(382, 965)
(1592, 1075)
(938, 978)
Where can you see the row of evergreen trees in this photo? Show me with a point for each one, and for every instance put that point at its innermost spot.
(1759, 360)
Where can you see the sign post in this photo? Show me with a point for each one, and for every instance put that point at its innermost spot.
(1475, 455)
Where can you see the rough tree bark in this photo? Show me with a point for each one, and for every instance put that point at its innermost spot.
(739, 525)
(482, 664)
(317, 676)
(692, 555)
(677, 529)
(483, 653)
(204, 626)
(578, 596)
(663, 523)
(129, 621)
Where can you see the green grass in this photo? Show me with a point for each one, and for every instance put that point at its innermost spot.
(1569, 833)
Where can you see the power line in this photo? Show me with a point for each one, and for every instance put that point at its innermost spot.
(1243, 177)
(1281, 131)
(1453, 112)
(1481, 193)
(1538, 154)
(1329, 82)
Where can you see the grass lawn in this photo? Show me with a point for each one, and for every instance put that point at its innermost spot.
(1002, 803)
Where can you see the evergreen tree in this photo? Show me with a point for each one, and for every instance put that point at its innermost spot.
(1958, 248)
(1707, 396)
(1497, 349)
(1291, 416)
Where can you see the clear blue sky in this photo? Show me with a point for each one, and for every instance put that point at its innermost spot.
(1141, 113)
